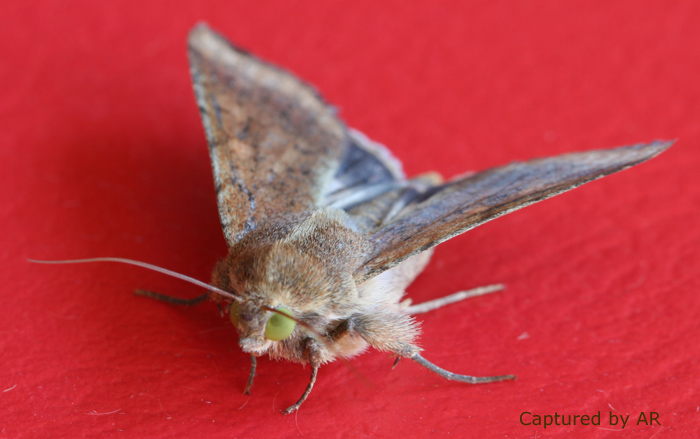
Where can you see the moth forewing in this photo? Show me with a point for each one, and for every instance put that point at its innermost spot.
(460, 205)
(273, 141)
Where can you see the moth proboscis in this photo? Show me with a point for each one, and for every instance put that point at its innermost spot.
(324, 230)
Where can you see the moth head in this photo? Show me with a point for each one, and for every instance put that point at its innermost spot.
(259, 326)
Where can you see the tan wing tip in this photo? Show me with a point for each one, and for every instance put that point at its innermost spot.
(199, 28)
(203, 37)
(649, 150)
(639, 153)
(198, 33)
(617, 159)
(204, 43)
(205, 40)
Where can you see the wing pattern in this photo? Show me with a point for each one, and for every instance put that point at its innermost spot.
(274, 143)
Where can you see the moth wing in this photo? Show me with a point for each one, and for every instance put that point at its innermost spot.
(372, 213)
(453, 208)
(274, 143)
(368, 169)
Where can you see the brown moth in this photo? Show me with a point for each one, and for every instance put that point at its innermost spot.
(324, 230)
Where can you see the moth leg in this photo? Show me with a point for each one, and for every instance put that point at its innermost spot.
(453, 376)
(172, 300)
(373, 328)
(251, 375)
(313, 354)
(452, 298)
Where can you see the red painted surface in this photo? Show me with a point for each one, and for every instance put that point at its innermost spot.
(103, 154)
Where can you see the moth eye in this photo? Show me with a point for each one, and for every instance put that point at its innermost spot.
(279, 327)
(234, 314)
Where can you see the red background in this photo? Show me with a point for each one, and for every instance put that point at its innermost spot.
(103, 154)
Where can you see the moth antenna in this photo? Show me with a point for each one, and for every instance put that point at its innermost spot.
(149, 267)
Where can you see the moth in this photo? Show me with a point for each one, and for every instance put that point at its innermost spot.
(324, 230)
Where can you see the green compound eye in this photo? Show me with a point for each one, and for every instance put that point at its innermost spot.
(279, 327)
(233, 313)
